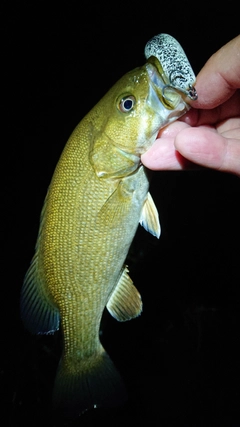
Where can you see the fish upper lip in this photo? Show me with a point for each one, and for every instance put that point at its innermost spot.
(167, 101)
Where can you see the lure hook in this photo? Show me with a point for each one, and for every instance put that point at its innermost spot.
(190, 91)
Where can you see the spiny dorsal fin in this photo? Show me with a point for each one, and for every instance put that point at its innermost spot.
(149, 217)
(125, 302)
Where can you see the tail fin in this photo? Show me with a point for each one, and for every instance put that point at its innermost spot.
(91, 383)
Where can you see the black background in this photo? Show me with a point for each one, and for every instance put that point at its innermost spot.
(180, 359)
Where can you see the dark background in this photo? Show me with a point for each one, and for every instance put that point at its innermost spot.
(180, 359)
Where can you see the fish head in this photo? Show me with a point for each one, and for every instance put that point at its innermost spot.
(133, 111)
(140, 104)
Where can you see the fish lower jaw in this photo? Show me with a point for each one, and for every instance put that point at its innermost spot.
(182, 108)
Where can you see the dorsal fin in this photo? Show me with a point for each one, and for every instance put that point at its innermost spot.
(38, 314)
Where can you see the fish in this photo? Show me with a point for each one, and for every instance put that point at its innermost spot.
(98, 195)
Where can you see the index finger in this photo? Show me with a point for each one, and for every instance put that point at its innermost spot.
(220, 76)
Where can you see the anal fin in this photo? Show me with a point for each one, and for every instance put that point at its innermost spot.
(125, 302)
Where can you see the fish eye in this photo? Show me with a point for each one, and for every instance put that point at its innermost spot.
(127, 103)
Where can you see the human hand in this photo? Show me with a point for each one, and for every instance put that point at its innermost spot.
(209, 134)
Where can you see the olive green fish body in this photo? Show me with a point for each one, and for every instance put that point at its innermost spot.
(88, 225)
(91, 213)
(97, 197)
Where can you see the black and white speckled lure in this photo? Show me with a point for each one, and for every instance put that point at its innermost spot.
(178, 72)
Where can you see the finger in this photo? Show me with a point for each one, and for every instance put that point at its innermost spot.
(163, 155)
(230, 108)
(220, 76)
(206, 147)
(230, 128)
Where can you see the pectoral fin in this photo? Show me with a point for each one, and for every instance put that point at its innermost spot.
(117, 207)
(125, 302)
(149, 217)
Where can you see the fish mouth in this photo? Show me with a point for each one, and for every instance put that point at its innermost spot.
(167, 101)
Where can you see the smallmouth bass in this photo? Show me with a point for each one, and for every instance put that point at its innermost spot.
(96, 199)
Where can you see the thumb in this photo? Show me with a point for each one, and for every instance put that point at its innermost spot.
(206, 147)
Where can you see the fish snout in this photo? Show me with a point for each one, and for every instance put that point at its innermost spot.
(168, 102)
